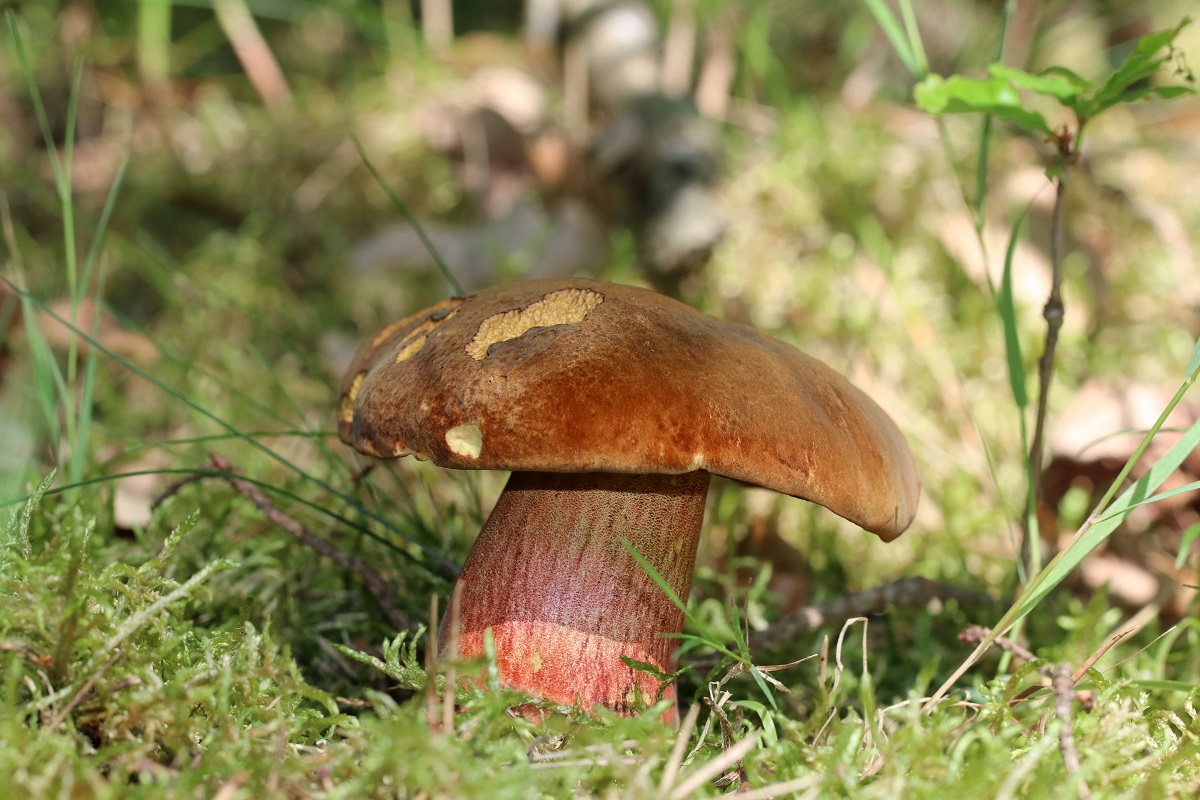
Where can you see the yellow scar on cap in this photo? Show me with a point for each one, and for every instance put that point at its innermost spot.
(346, 407)
(564, 307)
(465, 440)
(432, 314)
(415, 340)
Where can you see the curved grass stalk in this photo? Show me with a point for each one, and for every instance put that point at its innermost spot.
(1099, 525)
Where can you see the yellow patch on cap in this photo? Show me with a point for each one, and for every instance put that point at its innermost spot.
(465, 440)
(564, 307)
(429, 314)
(346, 406)
(410, 347)
(411, 344)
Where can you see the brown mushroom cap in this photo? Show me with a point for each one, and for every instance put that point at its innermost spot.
(582, 376)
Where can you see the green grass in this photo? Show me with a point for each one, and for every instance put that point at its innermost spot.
(193, 649)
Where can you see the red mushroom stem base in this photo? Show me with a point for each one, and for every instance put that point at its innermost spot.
(565, 600)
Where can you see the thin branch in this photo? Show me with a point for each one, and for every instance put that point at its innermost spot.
(679, 49)
(1059, 677)
(383, 594)
(1064, 693)
(1053, 312)
(1083, 668)
(974, 634)
(83, 692)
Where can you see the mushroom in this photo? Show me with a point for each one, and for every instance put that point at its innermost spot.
(611, 405)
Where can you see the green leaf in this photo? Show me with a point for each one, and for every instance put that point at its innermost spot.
(1163, 92)
(914, 37)
(1062, 85)
(1092, 533)
(647, 667)
(769, 733)
(762, 685)
(1141, 64)
(409, 217)
(1075, 78)
(34, 499)
(1171, 92)
(1000, 93)
(738, 637)
(399, 660)
(996, 96)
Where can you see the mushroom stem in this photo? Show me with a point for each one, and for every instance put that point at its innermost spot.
(565, 600)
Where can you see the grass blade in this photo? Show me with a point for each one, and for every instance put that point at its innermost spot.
(1008, 318)
(705, 636)
(895, 33)
(154, 41)
(412, 220)
(439, 564)
(1093, 532)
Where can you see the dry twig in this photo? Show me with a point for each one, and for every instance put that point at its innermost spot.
(839, 667)
(1082, 669)
(437, 24)
(173, 488)
(975, 634)
(1062, 683)
(589, 756)
(27, 653)
(1064, 693)
(85, 690)
(784, 789)
(375, 583)
(1053, 312)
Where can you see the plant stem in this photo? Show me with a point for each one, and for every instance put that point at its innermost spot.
(1053, 313)
(154, 42)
